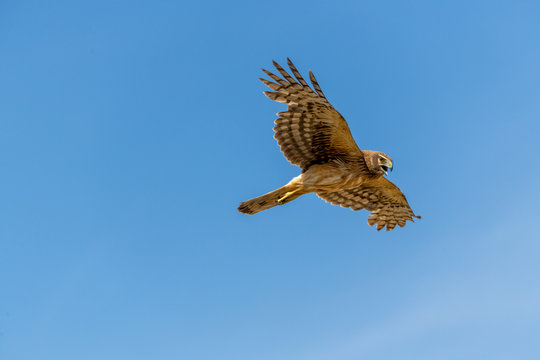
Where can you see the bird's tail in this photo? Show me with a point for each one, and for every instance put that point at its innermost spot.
(279, 196)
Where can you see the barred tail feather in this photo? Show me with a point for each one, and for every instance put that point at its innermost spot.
(270, 199)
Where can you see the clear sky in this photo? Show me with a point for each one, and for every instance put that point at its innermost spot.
(131, 130)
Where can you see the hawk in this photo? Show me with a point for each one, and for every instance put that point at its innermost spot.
(314, 136)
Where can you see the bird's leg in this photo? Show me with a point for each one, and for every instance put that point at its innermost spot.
(282, 199)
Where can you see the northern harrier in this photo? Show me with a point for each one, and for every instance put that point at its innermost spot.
(314, 136)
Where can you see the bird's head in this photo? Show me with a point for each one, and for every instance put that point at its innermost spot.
(385, 163)
(378, 162)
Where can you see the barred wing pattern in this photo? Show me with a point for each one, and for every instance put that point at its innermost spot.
(387, 204)
(311, 131)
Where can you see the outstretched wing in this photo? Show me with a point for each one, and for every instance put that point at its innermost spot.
(387, 204)
(311, 131)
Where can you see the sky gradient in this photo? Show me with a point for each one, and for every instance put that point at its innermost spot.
(131, 130)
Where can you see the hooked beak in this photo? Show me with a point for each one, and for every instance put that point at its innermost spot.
(387, 166)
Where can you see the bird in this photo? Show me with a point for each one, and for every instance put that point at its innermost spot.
(313, 135)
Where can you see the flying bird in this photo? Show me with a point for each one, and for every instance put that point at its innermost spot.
(314, 136)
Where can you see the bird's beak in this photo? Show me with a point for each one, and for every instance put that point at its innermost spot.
(388, 166)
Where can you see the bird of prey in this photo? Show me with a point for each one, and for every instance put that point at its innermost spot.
(314, 136)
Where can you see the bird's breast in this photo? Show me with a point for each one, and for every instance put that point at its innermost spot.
(329, 178)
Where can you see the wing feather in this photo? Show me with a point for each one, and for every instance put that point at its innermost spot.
(387, 204)
(311, 131)
(297, 75)
(275, 77)
(316, 85)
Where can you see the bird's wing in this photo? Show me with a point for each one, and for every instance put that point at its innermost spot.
(311, 131)
(387, 204)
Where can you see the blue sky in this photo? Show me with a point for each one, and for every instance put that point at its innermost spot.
(131, 130)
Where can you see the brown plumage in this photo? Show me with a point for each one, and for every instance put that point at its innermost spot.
(314, 136)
